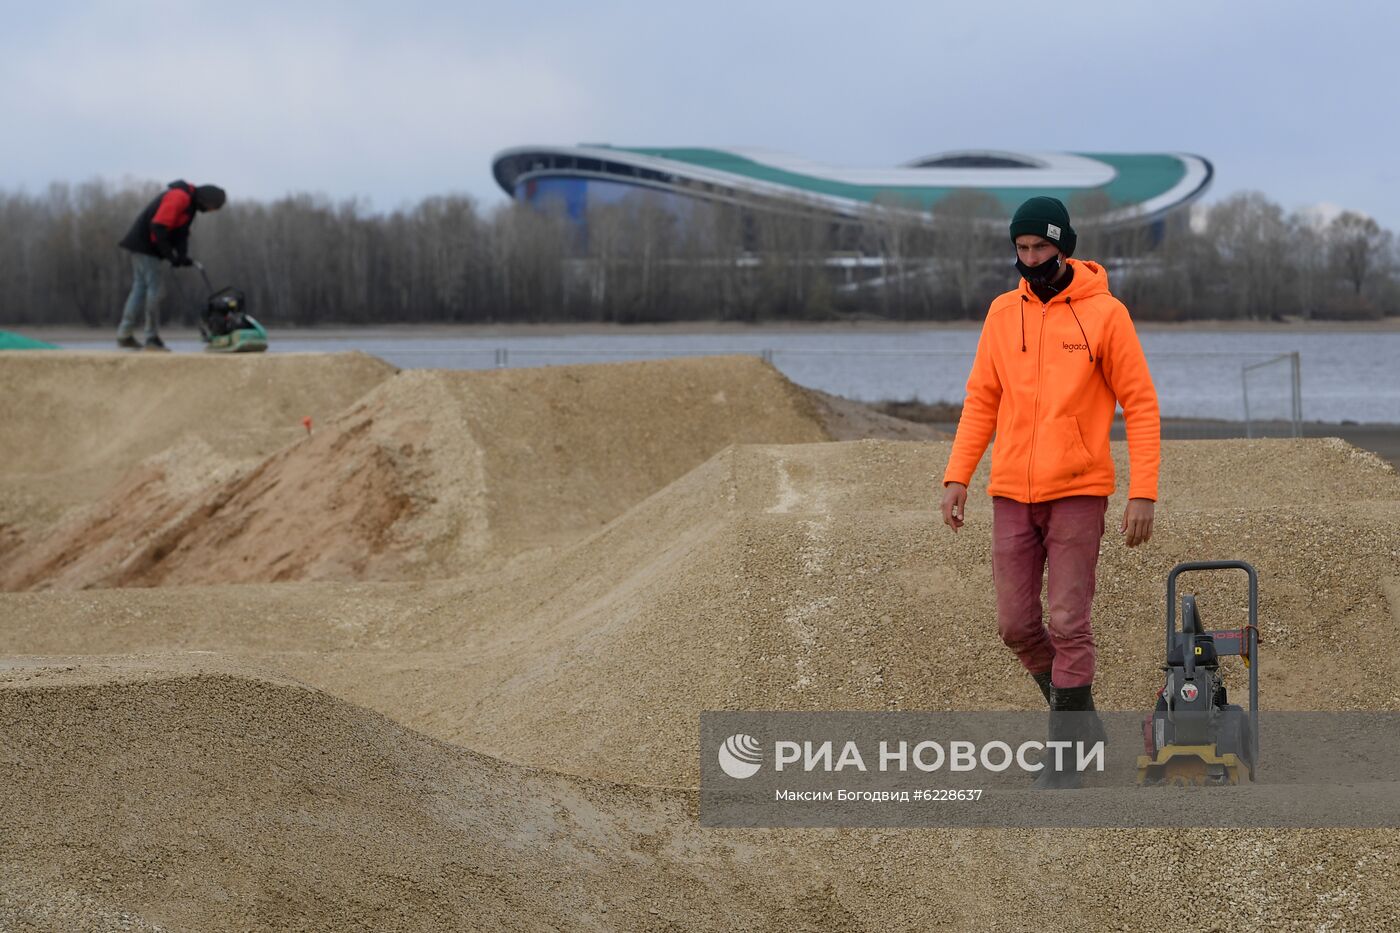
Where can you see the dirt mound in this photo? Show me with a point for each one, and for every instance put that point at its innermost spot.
(187, 515)
(791, 577)
(427, 476)
(847, 420)
(208, 796)
(818, 577)
(623, 558)
(165, 793)
(1239, 474)
(76, 422)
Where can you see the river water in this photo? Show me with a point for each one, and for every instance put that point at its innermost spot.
(1345, 375)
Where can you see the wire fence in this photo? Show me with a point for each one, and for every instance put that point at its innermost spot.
(1276, 397)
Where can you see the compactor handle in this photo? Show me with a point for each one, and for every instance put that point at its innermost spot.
(1210, 565)
(204, 275)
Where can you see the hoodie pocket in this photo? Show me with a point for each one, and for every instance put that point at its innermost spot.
(1079, 449)
(1066, 457)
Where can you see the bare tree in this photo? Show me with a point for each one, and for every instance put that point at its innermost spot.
(1252, 239)
(306, 259)
(1357, 246)
(716, 244)
(791, 247)
(1311, 274)
(972, 245)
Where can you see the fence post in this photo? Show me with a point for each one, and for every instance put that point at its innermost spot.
(1244, 385)
(1297, 394)
(502, 356)
(766, 355)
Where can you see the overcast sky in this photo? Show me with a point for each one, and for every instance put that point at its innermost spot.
(392, 102)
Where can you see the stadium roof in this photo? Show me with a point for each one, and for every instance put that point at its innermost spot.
(1138, 187)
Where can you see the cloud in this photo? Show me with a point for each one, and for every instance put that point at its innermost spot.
(396, 101)
(281, 103)
(1320, 215)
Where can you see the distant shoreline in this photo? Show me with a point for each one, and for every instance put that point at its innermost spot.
(55, 334)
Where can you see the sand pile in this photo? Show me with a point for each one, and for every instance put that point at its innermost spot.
(847, 420)
(165, 794)
(818, 577)
(793, 577)
(577, 578)
(76, 422)
(428, 475)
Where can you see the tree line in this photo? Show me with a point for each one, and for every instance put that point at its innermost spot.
(306, 260)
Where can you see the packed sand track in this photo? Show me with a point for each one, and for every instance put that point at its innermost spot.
(439, 665)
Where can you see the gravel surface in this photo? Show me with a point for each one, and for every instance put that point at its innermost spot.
(491, 721)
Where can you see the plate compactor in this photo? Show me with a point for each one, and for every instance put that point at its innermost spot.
(225, 325)
(1196, 736)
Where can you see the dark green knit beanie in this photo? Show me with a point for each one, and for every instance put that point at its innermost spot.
(1045, 217)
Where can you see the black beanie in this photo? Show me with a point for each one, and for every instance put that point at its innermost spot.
(209, 197)
(1045, 217)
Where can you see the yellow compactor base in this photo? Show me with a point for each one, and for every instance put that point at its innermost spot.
(1188, 765)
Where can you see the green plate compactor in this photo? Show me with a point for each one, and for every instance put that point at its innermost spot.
(225, 325)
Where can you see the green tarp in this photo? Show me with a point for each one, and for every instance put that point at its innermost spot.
(12, 341)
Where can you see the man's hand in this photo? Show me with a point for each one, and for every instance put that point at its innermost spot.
(955, 505)
(1137, 521)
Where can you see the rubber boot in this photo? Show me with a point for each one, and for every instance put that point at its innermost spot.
(1081, 700)
(1072, 719)
(1061, 729)
(1042, 680)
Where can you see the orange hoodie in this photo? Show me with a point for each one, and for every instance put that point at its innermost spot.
(1046, 380)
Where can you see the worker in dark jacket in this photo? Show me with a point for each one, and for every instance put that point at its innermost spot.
(160, 234)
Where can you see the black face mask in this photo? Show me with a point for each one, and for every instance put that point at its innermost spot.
(1041, 274)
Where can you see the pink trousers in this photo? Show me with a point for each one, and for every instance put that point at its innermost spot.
(1063, 533)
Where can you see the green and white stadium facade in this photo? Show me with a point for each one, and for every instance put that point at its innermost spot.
(1126, 189)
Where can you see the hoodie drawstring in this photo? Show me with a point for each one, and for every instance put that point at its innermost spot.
(1076, 320)
(1023, 323)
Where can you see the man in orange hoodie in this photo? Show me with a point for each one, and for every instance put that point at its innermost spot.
(1055, 358)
